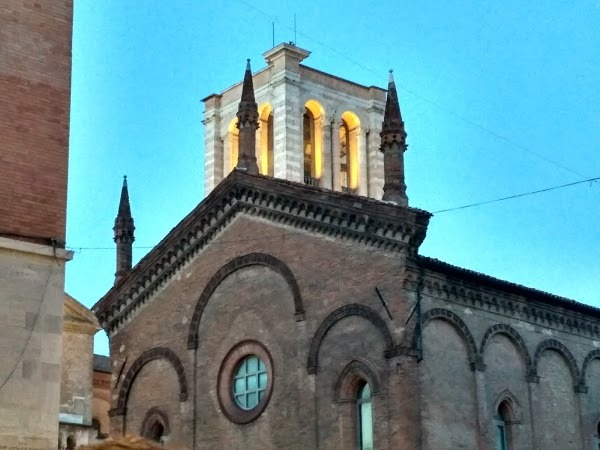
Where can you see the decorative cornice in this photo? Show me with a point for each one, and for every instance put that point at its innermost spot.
(472, 289)
(362, 220)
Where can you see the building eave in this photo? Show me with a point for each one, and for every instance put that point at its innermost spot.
(369, 222)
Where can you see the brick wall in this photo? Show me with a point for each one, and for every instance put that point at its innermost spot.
(448, 400)
(35, 78)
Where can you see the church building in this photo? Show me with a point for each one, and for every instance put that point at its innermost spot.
(291, 308)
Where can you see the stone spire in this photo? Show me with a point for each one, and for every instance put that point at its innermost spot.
(124, 234)
(393, 146)
(247, 124)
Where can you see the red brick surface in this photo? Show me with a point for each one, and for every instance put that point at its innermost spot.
(35, 77)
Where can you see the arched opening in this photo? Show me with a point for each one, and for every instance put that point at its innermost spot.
(233, 135)
(503, 418)
(156, 431)
(312, 142)
(71, 442)
(364, 417)
(265, 141)
(349, 130)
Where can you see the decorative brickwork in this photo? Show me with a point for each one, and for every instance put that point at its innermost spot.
(146, 357)
(352, 309)
(456, 322)
(559, 347)
(236, 264)
(354, 373)
(511, 334)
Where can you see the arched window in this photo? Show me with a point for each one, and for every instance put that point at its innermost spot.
(308, 144)
(349, 130)
(312, 142)
(71, 442)
(265, 141)
(502, 421)
(364, 417)
(156, 431)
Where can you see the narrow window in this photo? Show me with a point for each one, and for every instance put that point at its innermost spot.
(344, 155)
(309, 146)
(501, 431)
(270, 149)
(365, 418)
(156, 431)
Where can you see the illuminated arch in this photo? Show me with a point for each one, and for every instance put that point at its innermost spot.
(233, 135)
(312, 141)
(265, 140)
(349, 167)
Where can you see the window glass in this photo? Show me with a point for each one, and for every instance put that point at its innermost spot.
(365, 418)
(501, 430)
(249, 382)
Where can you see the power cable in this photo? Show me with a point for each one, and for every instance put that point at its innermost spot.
(270, 237)
(590, 180)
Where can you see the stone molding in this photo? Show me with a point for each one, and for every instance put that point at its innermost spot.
(36, 249)
(141, 361)
(250, 259)
(507, 304)
(353, 309)
(348, 217)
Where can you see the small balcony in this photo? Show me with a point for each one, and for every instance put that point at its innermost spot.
(311, 181)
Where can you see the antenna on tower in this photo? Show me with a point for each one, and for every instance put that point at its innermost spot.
(295, 38)
(273, 34)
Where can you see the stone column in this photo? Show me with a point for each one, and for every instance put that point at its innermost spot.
(335, 125)
(326, 176)
(483, 417)
(363, 187)
(213, 144)
(287, 126)
(534, 403)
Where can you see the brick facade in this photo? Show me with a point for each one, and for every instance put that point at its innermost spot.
(35, 93)
(299, 276)
(35, 79)
(327, 289)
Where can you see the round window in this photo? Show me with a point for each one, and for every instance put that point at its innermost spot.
(249, 382)
(245, 382)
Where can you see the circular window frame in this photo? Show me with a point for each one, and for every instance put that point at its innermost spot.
(225, 382)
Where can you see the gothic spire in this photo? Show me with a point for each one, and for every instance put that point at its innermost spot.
(123, 234)
(393, 146)
(247, 124)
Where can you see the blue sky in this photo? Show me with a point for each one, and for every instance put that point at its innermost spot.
(498, 98)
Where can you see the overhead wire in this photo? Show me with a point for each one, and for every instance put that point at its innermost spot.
(78, 249)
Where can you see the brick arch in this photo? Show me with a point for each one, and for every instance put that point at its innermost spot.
(141, 361)
(350, 378)
(594, 354)
(251, 259)
(458, 324)
(153, 415)
(559, 347)
(353, 309)
(513, 336)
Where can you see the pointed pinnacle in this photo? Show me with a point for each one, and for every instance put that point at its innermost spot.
(248, 64)
(391, 76)
(248, 86)
(124, 207)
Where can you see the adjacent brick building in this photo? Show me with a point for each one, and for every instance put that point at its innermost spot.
(35, 89)
(292, 312)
